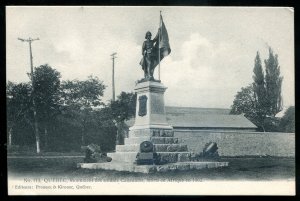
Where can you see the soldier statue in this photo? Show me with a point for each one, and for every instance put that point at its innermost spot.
(154, 51)
(149, 52)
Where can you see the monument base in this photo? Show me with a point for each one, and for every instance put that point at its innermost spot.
(130, 167)
(151, 125)
(172, 155)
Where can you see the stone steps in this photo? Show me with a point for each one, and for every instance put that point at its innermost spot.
(135, 140)
(157, 148)
(165, 157)
(154, 140)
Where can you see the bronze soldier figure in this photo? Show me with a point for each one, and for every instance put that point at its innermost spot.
(149, 55)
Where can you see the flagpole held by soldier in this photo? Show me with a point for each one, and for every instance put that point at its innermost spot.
(159, 45)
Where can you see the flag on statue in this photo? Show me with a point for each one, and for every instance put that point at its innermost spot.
(163, 42)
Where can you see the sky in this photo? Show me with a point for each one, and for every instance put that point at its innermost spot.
(212, 48)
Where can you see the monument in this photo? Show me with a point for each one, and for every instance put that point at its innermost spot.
(151, 127)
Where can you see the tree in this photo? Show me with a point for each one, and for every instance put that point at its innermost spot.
(78, 98)
(261, 101)
(244, 103)
(259, 90)
(70, 111)
(86, 93)
(18, 100)
(106, 128)
(46, 95)
(123, 109)
(287, 122)
(273, 84)
(46, 86)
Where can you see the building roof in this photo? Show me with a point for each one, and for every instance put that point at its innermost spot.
(195, 110)
(191, 117)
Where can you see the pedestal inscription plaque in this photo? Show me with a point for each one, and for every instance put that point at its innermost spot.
(143, 105)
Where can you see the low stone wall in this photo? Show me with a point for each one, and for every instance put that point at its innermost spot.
(240, 143)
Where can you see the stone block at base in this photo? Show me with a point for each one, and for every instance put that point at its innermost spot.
(130, 167)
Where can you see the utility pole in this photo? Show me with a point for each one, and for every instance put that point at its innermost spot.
(36, 129)
(113, 75)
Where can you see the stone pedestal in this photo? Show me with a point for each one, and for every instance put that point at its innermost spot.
(150, 107)
(151, 125)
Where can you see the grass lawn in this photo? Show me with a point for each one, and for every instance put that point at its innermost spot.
(254, 168)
